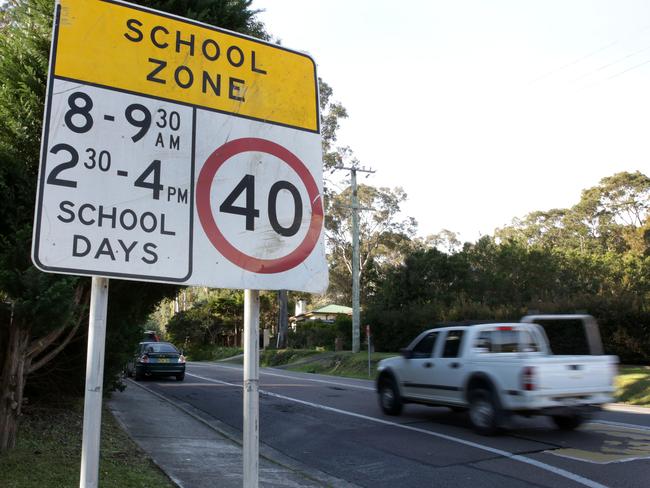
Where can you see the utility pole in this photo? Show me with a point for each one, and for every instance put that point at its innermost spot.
(356, 314)
(283, 319)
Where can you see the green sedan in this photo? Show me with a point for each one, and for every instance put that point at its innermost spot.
(156, 359)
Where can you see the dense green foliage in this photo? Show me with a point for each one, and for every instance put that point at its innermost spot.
(312, 334)
(44, 315)
(209, 318)
(215, 320)
(593, 258)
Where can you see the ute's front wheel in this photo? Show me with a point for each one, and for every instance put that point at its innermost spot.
(389, 397)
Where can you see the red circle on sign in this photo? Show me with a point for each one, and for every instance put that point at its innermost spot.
(218, 240)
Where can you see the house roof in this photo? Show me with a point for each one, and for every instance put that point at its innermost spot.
(333, 309)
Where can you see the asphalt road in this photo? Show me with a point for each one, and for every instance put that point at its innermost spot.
(334, 425)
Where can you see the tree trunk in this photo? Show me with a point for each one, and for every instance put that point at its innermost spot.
(283, 319)
(12, 383)
(21, 358)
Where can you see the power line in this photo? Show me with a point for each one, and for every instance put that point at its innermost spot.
(582, 58)
(611, 64)
(598, 82)
(572, 63)
(629, 69)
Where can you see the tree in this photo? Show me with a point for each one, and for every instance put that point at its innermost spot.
(215, 320)
(234, 15)
(283, 319)
(558, 261)
(383, 233)
(626, 196)
(41, 313)
(445, 240)
(609, 217)
(331, 114)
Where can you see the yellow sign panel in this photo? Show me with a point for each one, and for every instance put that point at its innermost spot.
(122, 46)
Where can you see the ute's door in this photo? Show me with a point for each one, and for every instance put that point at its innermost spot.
(448, 368)
(417, 378)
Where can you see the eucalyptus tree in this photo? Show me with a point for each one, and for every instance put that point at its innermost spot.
(384, 234)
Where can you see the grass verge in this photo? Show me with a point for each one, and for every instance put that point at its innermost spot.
(212, 353)
(48, 452)
(344, 363)
(270, 358)
(633, 385)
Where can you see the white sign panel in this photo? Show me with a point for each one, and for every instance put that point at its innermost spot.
(177, 152)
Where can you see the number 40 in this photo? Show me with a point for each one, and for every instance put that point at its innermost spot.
(247, 186)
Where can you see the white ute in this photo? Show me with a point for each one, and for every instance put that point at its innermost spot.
(495, 370)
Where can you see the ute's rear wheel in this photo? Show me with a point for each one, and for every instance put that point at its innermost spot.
(484, 412)
(389, 397)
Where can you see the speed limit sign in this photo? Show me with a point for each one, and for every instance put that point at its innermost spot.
(178, 152)
(307, 230)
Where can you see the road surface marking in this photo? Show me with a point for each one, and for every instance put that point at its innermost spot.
(620, 424)
(516, 457)
(619, 444)
(329, 382)
(622, 407)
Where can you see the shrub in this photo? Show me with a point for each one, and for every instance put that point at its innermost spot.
(313, 333)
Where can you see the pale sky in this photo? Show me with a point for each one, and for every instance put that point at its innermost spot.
(482, 110)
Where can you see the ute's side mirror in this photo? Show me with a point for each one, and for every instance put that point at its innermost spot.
(406, 353)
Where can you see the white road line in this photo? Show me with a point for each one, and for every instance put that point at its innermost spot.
(329, 382)
(622, 407)
(619, 424)
(516, 457)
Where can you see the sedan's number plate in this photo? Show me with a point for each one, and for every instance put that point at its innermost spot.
(163, 360)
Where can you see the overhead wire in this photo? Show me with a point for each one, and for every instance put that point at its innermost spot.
(572, 63)
(607, 65)
(629, 69)
(590, 54)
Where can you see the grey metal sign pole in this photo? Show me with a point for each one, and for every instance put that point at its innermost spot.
(94, 382)
(251, 387)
